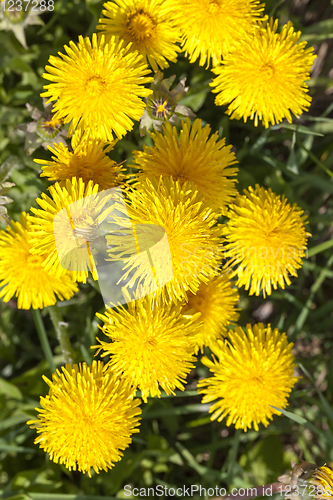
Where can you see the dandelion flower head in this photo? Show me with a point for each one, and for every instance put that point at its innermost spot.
(22, 273)
(152, 345)
(275, 68)
(193, 239)
(252, 371)
(265, 240)
(147, 25)
(87, 418)
(323, 481)
(193, 156)
(66, 224)
(216, 301)
(88, 160)
(98, 86)
(211, 27)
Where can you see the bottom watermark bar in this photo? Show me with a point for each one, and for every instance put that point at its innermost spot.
(195, 489)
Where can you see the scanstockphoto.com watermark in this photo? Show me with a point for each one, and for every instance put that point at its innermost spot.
(37, 6)
(197, 490)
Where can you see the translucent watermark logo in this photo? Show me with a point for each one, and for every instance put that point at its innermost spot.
(130, 260)
(97, 234)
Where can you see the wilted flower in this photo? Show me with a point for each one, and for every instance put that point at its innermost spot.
(162, 104)
(44, 130)
(16, 19)
(5, 169)
(4, 200)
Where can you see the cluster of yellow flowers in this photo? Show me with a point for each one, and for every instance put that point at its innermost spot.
(185, 182)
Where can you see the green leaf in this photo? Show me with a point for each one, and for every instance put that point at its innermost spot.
(320, 248)
(4, 219)
(7, 167)
(322, 398)
(259, 461)
(323, 27)
(191, 460)
(10, 390)
(8, 423)
(8, 448)
(194, 101)
(179, 410)
(4, 200)
(17, 497)
(292, 416)
(5, 187)
(296, 128)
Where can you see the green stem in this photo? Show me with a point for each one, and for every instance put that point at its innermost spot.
(43, 338)
(61, 331)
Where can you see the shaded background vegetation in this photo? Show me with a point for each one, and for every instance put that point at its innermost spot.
(178, 444)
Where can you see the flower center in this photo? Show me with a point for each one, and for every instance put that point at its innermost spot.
(34, 261)
(141, 26)
(52, 123)
(198, 302)
(15, 15)
(267, 71)
(151, 343)
(47, 128)
(95, 86)
(160, 106)
(85, 172)
(161, 110)
(82, 168)
(214, 7)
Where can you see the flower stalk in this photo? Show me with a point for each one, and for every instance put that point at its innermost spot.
(61, 331)
(44, 341)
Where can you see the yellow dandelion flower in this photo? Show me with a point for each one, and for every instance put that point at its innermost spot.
(194, 156)
(275, 68)
(97, 86)
(152, 345)
(66, 226)
(216, 301)
(87, 418)
(253, 371)
(22, 273)
(322, 480)
(147, 25)
(88, 160)
(181, 229)
(265, 240)
(211, 27)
